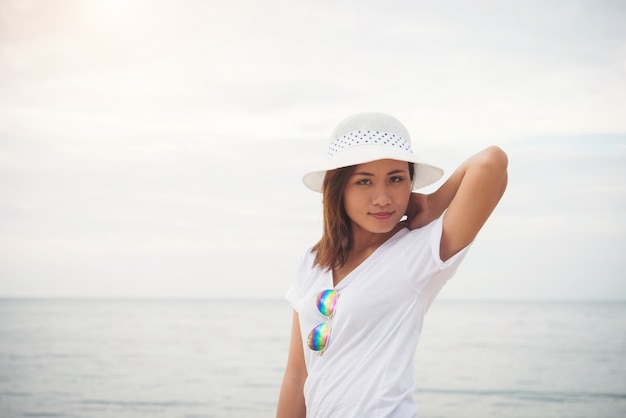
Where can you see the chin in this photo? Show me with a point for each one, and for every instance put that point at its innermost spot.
(377, 227)
(382, 229)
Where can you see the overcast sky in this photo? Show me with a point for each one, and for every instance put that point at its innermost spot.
(156, 148)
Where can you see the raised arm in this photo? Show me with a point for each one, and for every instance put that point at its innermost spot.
(291, 399)
(469, 195)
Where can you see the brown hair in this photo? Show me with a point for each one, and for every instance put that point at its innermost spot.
(336, 242)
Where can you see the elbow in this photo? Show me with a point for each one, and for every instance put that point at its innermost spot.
(495, 158)
(496, 163)
(493, 163)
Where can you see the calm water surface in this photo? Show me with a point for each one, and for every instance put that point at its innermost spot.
(207, 358)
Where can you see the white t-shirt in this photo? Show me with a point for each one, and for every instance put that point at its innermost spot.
(366, 370)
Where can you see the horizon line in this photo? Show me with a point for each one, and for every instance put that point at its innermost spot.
(280, 299)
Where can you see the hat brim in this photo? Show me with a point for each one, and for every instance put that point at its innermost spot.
(425, 174)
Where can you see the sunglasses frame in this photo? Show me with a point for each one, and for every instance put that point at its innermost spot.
(319, 300)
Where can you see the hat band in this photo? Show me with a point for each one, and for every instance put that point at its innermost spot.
(364, 137)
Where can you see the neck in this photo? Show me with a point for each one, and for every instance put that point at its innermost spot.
(363, 240)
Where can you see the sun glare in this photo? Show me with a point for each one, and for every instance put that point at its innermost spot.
(113, 6)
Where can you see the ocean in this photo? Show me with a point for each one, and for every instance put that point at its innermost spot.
(225, 358)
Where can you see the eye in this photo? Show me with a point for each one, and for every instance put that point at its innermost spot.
(363, 182)
(396, 179)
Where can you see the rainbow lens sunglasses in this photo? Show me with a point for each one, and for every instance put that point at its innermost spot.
(318, 338)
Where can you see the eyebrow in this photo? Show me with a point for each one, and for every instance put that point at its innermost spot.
(365, 173)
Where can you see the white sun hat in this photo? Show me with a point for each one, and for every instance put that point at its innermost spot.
(367, 137)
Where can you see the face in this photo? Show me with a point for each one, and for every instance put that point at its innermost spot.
(377, 195)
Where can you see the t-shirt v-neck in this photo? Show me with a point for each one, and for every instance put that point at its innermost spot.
(363, 264)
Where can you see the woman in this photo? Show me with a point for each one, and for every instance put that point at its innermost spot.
(361, 293)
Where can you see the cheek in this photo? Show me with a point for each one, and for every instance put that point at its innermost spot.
(351, 201)
(403, 200)
(403, 195)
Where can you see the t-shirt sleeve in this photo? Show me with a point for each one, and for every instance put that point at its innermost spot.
(435, 247)
(424, 263)
(292, 296)
(294, 292)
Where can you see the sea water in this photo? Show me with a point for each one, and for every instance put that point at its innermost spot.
(225, 358)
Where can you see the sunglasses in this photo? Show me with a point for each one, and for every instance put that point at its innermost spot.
(318, 338)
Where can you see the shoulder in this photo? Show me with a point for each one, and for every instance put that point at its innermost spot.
(307, 258)
(410, 246)
(306, 268)
(423, 244)
(423, 234)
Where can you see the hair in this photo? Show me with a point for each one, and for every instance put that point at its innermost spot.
(336, 242)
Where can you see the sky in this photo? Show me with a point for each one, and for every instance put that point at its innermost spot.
(156, 148)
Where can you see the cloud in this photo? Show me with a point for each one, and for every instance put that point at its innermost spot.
(159, 144)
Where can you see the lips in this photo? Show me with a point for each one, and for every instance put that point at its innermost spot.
(381, 216)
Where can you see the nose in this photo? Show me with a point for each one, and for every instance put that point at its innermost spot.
(381, 196)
